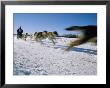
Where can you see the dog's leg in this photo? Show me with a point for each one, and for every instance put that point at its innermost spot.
(72, 44)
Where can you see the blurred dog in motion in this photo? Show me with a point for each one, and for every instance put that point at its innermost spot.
(88, 34)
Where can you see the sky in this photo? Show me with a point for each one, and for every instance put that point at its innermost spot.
(38, 22)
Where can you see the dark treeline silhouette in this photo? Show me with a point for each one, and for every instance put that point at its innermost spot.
(69, 35)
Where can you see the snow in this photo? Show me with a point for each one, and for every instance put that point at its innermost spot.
(35, 58)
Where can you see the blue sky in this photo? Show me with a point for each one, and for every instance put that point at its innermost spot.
(36, 22)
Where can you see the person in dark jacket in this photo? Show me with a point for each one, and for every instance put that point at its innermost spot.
(19, 33)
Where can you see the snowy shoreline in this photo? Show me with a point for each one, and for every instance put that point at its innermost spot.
(33, 58)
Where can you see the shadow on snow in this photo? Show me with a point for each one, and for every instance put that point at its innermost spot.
(89, 51)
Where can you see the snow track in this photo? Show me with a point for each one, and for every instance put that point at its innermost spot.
(34, 58)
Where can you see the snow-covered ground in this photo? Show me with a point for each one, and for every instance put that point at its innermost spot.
(34, 58)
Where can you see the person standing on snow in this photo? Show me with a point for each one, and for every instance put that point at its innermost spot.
(19, 33)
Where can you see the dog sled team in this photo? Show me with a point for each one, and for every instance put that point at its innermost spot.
(89, 34)
(38, 36)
